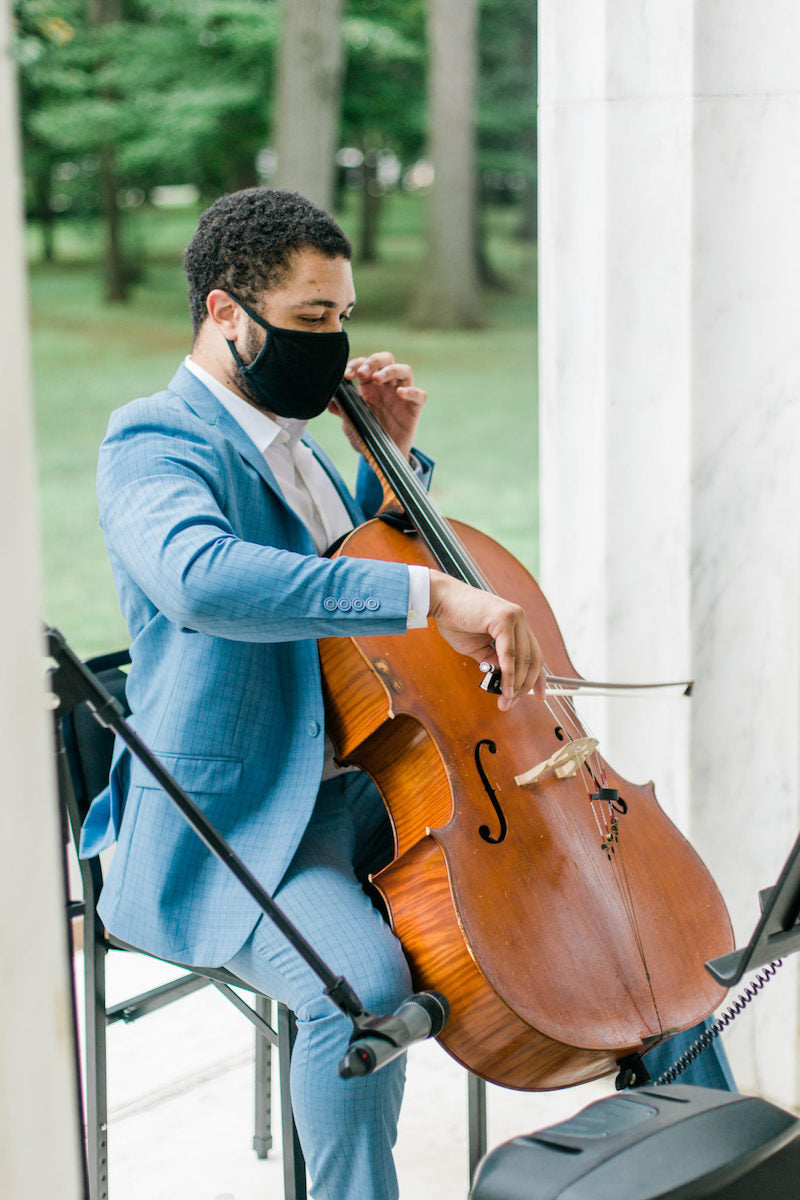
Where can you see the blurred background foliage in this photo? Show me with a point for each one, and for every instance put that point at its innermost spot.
(138, 113)
(181, 92)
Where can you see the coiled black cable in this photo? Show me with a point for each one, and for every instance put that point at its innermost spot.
(724, 1019)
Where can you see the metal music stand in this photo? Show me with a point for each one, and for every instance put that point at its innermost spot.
(777, 933)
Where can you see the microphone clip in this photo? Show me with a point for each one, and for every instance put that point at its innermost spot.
(376, 1041)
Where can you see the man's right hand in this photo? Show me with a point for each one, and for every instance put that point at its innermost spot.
(491, 630)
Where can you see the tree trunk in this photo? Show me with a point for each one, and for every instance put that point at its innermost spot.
(115, 278)
(449, 297)
(42, 209)
(308, 99)
(370, 208)
(488, 277)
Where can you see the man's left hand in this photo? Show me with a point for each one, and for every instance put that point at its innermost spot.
(388, 389)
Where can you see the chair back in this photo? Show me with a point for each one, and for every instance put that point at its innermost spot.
(89, 745)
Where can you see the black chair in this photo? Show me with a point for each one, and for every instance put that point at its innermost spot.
(84, 749)
(84, 756)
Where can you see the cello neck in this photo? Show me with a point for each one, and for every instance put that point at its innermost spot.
(404, 485)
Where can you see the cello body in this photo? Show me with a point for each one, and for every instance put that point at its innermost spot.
(566, 929)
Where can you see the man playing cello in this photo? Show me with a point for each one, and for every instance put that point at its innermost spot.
(217, 507)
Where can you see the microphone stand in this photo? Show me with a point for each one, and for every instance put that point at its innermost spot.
(73, 683)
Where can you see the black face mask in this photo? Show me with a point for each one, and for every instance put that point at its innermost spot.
(296, 371)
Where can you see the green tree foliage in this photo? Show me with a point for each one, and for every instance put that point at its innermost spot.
(197, 75)
(384, 95)
(179, 88)
(180, 91)
(383, 108)
(38, 28)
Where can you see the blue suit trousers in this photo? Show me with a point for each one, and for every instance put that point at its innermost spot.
(347, 1127)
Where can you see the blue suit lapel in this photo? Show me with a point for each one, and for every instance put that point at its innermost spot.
(206, 406)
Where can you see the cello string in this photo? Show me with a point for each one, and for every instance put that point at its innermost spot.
(615, 852)
(568, 716)
(608, 829)
(627, 898)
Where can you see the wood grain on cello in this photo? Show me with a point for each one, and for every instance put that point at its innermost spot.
(560, 911)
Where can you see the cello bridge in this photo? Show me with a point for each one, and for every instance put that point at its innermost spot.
(565, 763)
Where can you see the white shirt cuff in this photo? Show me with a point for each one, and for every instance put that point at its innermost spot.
(419, 596)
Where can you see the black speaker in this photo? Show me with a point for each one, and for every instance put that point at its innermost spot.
(685, 1143)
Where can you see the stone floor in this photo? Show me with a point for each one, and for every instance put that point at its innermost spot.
(180, 1106)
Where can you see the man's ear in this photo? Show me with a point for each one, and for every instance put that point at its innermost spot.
(225, 313)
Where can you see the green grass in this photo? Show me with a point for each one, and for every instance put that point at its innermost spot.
(91, 357)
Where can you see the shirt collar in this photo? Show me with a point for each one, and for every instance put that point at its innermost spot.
(260, 428)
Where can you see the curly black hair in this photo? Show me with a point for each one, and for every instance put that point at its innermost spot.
(244, 242)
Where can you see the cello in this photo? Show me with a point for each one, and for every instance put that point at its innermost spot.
(556, 906)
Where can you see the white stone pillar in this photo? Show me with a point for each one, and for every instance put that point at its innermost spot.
(39, 1130)
(670, 420)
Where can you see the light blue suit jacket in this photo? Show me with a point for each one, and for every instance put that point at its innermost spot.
(225, 597)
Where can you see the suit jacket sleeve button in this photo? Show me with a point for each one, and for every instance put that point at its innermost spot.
(344, 604)
(329, 603)
(314, 728)
(372, 604)
(358, 604)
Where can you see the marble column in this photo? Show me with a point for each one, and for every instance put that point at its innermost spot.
(670, 421)
(39, 1120)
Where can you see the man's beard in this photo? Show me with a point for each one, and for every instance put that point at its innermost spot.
(253, 343)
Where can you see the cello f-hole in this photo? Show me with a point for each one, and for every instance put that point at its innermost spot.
(484, 830)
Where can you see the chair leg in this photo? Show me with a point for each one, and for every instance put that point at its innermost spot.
(94, 952)
(294, 1166)
(262, 1136)
(476, 1121)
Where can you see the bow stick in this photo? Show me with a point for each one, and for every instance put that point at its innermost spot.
(562, 685)
(559, 685)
